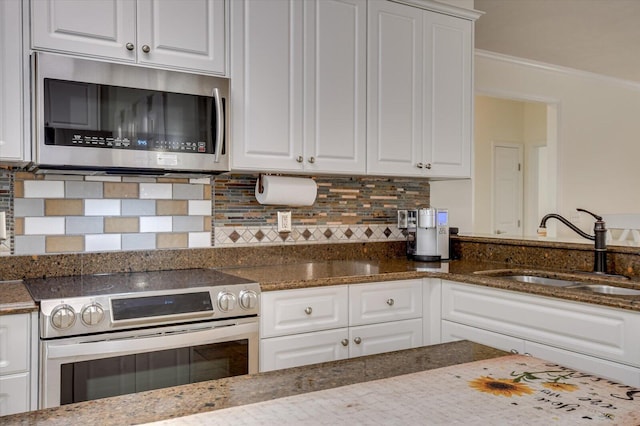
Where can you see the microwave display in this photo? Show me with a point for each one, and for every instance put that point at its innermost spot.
(113, 117)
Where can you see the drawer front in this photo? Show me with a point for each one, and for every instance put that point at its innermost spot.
(385, 301)
(385, 337)
(304, 310)
(303, 349)
(14, 343)
(14, 394)
(592, 330)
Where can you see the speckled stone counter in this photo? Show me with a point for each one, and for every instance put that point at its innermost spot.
(212, 395)
(15, 299)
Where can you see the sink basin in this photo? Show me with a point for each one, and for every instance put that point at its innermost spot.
(607, 289)
(533, 279)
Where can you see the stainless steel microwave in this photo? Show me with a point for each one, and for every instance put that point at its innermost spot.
(103, 118)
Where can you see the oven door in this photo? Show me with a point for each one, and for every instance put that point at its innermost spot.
(98, 366)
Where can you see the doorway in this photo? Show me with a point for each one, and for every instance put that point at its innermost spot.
(507, 189)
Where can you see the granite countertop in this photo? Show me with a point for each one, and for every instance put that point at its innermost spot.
(15, 299)
(203, 397)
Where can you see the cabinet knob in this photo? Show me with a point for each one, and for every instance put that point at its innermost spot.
(312, 160)
(308, 310)
(129, 46)
(390, 302)
(345, 342)
(357, 340)
(513, 351)
(420, 165)
(299, 159)
(427, 166)
(146, 48)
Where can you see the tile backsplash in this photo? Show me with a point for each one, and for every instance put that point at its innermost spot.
(76, 214)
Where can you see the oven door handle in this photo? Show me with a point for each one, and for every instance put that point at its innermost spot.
(146, 342)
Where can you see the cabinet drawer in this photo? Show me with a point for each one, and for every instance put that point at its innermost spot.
(303, 349)
(593, 330)
(385, 337)
(14, 394)
(385, 301)
(14, 343)
(303, 310)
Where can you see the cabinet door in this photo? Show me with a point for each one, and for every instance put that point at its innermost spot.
(452, 331)
(303, 349)
(304, 310)
(12, 147)
(94, 28)
(447, 95)
(14, 394)
(335, 85)
(385, 337)
(14, 343)
(187, 34)
(266, 84)
(385, 301)
(394, 89)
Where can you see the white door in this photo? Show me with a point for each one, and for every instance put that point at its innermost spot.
(94, 28)
(335, 85)
(507, 189)
(394, 89)
(186, 34)
(266, 84)
(385, 337)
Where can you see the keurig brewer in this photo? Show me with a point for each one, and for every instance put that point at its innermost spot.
(427, 233)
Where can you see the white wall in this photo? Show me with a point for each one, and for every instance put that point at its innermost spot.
(598, 131)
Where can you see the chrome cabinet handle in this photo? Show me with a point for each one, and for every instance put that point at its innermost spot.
(308, 310)
(129, 46)
(146, 48)
(390, 302)
(299, 159)
(357, 340)
(312, 160)
(420, 165)
(345, 342)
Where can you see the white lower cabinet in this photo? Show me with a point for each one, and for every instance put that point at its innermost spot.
(307, 326)
(18, 363)
(589, 338)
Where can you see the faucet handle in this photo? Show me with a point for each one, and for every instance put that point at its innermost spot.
(595, 216)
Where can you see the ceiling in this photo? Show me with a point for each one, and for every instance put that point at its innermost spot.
(600, 36)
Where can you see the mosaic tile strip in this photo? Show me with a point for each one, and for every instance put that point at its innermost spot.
(236, 236)
(6, 205)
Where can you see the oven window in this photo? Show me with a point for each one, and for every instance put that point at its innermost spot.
(101, 378)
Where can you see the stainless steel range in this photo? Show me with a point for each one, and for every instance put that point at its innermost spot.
(113, 334)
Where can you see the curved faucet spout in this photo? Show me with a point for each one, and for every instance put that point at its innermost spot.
(543, 224)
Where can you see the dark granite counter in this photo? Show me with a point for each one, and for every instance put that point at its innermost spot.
(240, 390)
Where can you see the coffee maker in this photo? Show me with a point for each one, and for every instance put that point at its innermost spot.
(427, 233)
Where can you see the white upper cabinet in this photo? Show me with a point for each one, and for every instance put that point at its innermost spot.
(183, 34)
(12, 130)
(298, 85)
(419, 92)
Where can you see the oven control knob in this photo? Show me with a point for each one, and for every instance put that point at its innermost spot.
(63, 316)
(92, 314)
(248, 299)
(226, 301)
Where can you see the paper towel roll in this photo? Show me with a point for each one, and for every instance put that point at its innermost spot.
(284, 190)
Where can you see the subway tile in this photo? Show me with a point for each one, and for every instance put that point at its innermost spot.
(187, 191)
(138, 208)
(206, 192)
(171, 207)
(200, 207)
(138, 179)
(18, 188)
(43, 189)
(206, 223)
(202, 180)
(172, 240)
(82, 190)
(121, 190)
(155, 191)
(102, 207)
(44, 225)
(156, 224)
(121, 224)
(29, 244)
(187, 224)
(199, 239)
(102, 242)
(139, 241)
(18, 226)
(50, 176)
(23, 207)
(64, 244)
(62, 207)
(99, 178)
(76, 225)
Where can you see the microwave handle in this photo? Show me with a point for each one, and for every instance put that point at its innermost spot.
(220, 120)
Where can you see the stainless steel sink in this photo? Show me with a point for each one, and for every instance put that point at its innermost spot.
(533, 279)
(607, 289)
